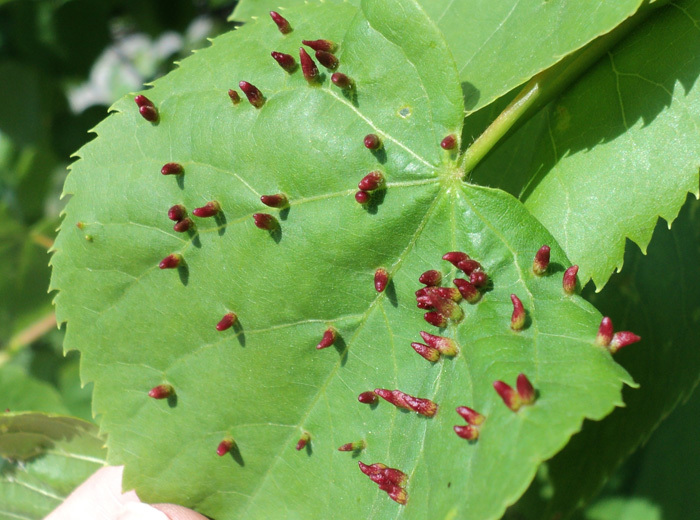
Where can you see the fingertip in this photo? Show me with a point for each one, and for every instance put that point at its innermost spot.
(174, 512)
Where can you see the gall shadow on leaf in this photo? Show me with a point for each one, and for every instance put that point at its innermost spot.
(172, 400)
(183, 272)
(194, 238)
(380, 155)
(284, 213)
(390, 292)
(555, 267)
(180, 181)
(309, 450)
(351, 95)
(341, 347)
(471, 95)
(220, 219)
(235, 454)
(276, 234)
(240, 333)
(376, 200)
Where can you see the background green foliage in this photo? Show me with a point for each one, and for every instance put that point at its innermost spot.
(63, 63)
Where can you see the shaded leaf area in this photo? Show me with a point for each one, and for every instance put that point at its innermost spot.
(263, 382)
(660, 481)
(599, 175)
(498, 45)
(39, 378)
(44, 457)
(657, 297)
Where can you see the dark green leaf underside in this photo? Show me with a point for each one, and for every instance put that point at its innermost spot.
(264, 382)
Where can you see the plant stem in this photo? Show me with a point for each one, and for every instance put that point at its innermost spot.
(545, 86)
(28, 335)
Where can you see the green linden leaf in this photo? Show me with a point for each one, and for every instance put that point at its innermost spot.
(44, 457)
(665, 364)
(481, 34)
(601, 175)
(263, 383)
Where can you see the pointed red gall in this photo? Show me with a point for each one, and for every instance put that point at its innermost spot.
(541, 262)
(448, 308)
(449, 142)
(172, 168)
(510, 397)
(353, 446)
(525, 389)
(471, 416)
(436, 319)
(468, 266)
(401, 400)
(235, 98)
(446, 346)
(622, 339)
(569, 281)
(303, 441)
(396, 493)
(367, 397)
(429, 353)
(275, 201)
(455, 257)
(161, 392)
(605, 332)
(340, 80)
(362, 197)
(467, 432)
(210, 209)
(517, 319)
(371, 181)
(171, 261)
(183, 225)
(372, 141)
(225, 446)
(320, 45)
(265, 221)
(149, 114)
(431, 278)
(467, 290)
(81, 225)
(281, 21)
(227, 321)
(254, 96)
(381, 278)
(389, 480)
(308, 67)
(286, 61)
(328, 338)
(478, 278)
(449, 293)
(327, 59)
(143, 101)
(177, 212)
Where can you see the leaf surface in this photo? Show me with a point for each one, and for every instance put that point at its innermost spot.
(655, 296)
(44, 457)
(499, 45)
(263, 382)
(600, 176)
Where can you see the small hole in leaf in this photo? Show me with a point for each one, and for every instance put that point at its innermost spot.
(405, 112)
